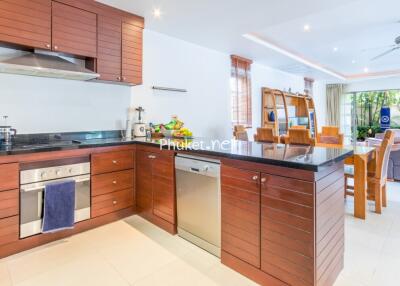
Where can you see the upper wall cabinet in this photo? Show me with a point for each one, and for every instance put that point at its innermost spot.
(26, 23)
(132, 42)
(109, 39)
(109, 48)
(119, 50)
(74, 31)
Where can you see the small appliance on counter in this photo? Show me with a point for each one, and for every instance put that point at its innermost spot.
(6, 133)
(128, 130)
(139, 128)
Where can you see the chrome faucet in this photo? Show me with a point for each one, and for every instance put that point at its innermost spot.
(6, 133)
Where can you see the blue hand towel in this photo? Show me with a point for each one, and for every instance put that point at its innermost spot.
(59, 206)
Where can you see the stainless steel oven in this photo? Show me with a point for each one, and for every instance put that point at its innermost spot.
(33, 179)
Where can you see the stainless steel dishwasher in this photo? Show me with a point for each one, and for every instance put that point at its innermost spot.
(198, 190)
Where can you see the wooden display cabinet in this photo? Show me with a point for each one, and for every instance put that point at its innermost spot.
(282, 110)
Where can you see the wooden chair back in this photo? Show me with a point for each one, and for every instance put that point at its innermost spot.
(265, 134)
(330, 135)
(330, 131)
(242, 135)
(298, 127)
(299, 137)
(382, 161)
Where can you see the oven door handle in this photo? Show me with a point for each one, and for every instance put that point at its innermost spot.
(41, 187)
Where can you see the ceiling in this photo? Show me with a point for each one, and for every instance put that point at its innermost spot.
(357, 28)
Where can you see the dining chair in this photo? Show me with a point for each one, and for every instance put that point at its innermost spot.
(266, 134)
(330, 135)
(376, 180)
(299, 137)
(242, 135)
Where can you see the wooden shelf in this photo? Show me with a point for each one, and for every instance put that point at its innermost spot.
(274, 100)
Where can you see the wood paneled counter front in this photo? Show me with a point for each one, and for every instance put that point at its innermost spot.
(282, 206)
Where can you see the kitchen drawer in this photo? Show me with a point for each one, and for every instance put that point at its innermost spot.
(9, 203)
(112, 161)
(9, 230)
(112, 202)
(111, 182)
(9, 177)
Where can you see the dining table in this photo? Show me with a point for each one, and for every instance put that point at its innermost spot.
(363, 160)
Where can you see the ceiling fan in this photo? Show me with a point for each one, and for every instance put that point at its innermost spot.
(392, 48)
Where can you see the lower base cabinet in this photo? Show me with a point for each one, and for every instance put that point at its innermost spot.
(283, 230)
(9, 230)
(112, 182)
(240, 191)
(155, 186)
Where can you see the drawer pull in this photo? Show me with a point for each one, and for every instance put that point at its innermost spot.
(114, 182)
(114, 203)
(115, 162)
(263, 180)
(152, 157)
(255, 178)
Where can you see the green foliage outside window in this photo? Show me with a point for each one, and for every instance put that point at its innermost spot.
(368, 108)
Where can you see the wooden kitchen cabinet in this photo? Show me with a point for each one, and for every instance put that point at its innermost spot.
(112, 179)
(74, 31)
(155, 188)
(240, 213)
(119, 50)
(112, 161)
(132, 49)
(9, 176)
(144, 183)
(26, 23)
(109, 60)
(287, 229)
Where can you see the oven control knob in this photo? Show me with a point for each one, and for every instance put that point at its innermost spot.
(58, 173)
(43, 175)
(70, 170)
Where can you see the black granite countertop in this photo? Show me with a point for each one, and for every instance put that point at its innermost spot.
(292, 156)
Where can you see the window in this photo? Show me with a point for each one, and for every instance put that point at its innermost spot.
(346, 122)
(241, 91)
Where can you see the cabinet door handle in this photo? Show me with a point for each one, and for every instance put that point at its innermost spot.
(48, 46)
(115, 202)
(56, 48)
(115, 162)
(255, 178)
(114, 182)
(119, 78)
(263, 180)
(152, 157)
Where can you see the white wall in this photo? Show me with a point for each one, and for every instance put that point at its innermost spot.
(36, 105)
(374, 84)
(320, 102)
(205, 73)
(263, 76)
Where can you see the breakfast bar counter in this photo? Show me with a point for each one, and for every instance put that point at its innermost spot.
(282, 210)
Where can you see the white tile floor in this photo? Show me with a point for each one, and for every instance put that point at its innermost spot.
(134, 252)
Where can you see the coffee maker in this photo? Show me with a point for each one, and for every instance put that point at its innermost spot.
(6, 133)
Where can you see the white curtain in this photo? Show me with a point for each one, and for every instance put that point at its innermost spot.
(334, 93)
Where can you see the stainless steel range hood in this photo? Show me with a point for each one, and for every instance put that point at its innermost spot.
(46, 65)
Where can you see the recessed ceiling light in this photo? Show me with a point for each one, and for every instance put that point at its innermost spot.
(157, 13)
(366, 69)
(307, 28)
(335, 49)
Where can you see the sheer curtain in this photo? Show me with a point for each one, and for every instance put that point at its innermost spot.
(334, 94)
(241, 91)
